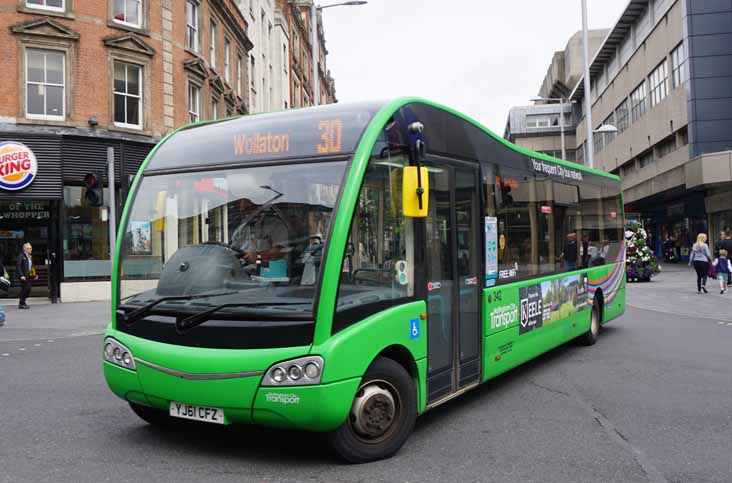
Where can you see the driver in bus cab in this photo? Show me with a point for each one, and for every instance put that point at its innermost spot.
(261, 237)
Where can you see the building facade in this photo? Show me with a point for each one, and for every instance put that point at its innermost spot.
(538, 127)
(295, 15)
(663, 77)
(269, 89)
(85, 76)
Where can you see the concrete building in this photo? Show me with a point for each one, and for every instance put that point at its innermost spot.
(83, 76)
(663, 76)
(269, 89)
(537, 127)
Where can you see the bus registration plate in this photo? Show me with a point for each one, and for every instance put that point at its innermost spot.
(197, 413)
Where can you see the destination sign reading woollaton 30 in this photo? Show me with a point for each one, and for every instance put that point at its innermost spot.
(17, 166)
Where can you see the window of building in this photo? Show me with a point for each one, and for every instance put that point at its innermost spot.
(621, 116)
(285, 59)
(667, 146)
(598, 141)
(678, 65)
(638, 101)
(238, 75)
(194, 102)
(645, 159)
(45, 84)
(580, 153)
(127, 95)
(212, 46)
(253, 72)
(55, 5)
(128, 12)
(296, 94)
(609, 136)
(86, 237)
(659, 86)
(192, 25)
(227, 60)
(214, 108)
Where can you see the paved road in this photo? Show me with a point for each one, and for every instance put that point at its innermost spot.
(652, 401)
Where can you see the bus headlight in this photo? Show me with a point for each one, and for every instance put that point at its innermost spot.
(118, 354)
(303, 371)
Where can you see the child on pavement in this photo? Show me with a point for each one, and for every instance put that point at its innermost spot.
(724, 268)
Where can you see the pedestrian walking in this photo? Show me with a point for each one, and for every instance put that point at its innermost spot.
(727, 245)
(26, 274)
(724, 268)
(700, 257)
(4, 286)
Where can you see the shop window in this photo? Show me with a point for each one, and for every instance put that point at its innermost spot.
(86, 237)
(127, 95)
(45, 84)
(128, 12)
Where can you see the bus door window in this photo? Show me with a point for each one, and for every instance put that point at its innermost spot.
(593, 249)
(379, 259)
(613, 232)
(566, 212)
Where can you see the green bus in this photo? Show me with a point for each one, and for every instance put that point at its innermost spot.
(345, 268)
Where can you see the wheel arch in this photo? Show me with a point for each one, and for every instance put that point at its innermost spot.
(599, 297)
(404, 357)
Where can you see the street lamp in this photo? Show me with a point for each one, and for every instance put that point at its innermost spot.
(314, 40)
(606, 128)
(588, 92)
(562, 103)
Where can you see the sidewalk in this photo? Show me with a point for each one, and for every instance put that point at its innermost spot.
(674, 291)
(45, 320)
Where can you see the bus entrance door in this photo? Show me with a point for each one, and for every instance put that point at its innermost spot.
(453, 280)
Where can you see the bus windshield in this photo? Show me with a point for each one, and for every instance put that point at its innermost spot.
(250, 239)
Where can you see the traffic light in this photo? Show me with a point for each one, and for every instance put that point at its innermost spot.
(94, 184)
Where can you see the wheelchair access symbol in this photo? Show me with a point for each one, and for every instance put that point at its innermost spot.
(414, 329)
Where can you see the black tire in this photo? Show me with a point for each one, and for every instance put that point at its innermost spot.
(152, 416)
(385, 424)
(590, 337)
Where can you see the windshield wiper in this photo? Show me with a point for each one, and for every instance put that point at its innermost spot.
(184, 325)
(142, 312)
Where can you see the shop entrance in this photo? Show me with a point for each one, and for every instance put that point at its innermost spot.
(34, 222)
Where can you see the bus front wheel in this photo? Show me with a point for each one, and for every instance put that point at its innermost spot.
(590, 337)
(382, 414)
(150, 415)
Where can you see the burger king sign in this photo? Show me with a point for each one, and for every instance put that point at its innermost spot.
(17, 166)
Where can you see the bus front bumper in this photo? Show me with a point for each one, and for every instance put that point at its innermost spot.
(321, 407)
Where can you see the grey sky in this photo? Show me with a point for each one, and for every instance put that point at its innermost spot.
(478, 56)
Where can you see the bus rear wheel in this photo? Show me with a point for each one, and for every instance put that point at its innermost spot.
(590, 337)
(150, 415)
(382, 414)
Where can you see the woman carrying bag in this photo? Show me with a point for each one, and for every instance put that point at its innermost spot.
(700, 257)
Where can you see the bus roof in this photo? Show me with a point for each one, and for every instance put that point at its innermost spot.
(332, 130)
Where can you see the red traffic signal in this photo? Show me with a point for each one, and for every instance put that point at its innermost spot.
(94, 194)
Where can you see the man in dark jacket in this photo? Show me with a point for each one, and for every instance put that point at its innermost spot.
(26, 272)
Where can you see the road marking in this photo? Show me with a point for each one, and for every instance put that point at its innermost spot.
(22, 349)
(6, 354)
(37, 345)
(49, 340)
(729, 323)
(720, 323)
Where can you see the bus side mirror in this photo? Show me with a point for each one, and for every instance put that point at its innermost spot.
(414, 196)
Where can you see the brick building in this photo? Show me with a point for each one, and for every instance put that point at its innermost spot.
(83, 76)
(296, 17)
